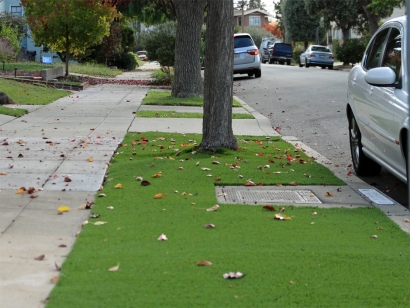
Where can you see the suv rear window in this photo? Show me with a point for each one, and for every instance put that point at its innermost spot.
(242, 41)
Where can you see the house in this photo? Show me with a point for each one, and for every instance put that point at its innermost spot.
(27, 43)
(255, 17)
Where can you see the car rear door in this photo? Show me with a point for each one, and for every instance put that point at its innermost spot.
(242, 45)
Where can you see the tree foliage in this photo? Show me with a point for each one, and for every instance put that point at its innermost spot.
(16, 21)
(273, 28)
(299, 25)
(149, 12)
(346, 14)
(377, 9)
(351, 51)
(9, 43)
(250, 5)
(257, 33)
(69, 26)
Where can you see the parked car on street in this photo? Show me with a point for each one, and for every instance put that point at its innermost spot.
(377, 103)
(279, 52)
(317, 55)
(142, 55)
(246, 56)
(263, 48)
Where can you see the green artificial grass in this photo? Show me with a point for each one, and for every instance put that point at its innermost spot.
(165, 99)
(172, 114)
(14, 112)
(27, 94)
(323, 260)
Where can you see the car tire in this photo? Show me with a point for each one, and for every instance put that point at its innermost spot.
(270, 61)
(288, 63)
(323, 67)
(258, 73)
(330, 67)
(281, 62)
(362, 165)
(300, 64)
(306, 64)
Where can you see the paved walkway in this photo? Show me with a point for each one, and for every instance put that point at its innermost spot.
(50, 149)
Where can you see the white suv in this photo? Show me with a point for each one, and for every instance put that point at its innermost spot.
(377, 104)
(246, 58)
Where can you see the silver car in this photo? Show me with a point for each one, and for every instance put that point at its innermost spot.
(246, 56)
(377, 104)
(317, 55)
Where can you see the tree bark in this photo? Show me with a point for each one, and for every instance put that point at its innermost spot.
(372, 19)
(187, 67)
(218, 87)
(67, 52)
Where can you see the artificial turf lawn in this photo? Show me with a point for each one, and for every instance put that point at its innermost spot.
(173, 114)
(331, 263)
(27, 94)
(165, 99)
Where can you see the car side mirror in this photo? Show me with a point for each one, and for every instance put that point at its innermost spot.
(381, 77)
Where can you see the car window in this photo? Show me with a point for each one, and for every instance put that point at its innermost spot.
(392, 56)
(320, 48)
(278, 46)
(374, 53)
(242, 41)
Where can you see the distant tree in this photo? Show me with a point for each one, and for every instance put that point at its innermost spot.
(278, 16)
(16, 21)
(69, 26)
(375, 10)
(218, 85)
(257, 34)
(346, 14)
(9, 43)
(250, 4)
(273, 28)
(299, 25)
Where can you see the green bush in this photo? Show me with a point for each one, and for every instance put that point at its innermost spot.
(162, 77)
(296, 54)
(160, 43)
(350, 52)
(125, 61)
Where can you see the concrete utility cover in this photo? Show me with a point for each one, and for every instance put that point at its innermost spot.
(376, 197)
(257, 196)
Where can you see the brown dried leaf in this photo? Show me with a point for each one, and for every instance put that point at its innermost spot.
(269, 208)
(57, 267)
(54, 279)
(328, 194)
(250, 183)
(40, 258)
(3, 173)
(209, 226)
(204, 263)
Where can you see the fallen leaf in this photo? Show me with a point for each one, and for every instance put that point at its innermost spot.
(54, 279)
(62, 245)
(269, 208)
(406, 220)
(115, 268)
(215, 162)
(292, 282)
(233, 275)
(139, 178)
(145, 183)
(40, 258)
(67, 179)
(314, 213)
(158, 196)
(95, 215)
(3, 173)
(250, 183)
(63, 208)
(214, 208)
(162, 237)
(204, 263)
(293, 184)
(57, 267)
(328, 194)
(99, 223)
(102, 195)
(217, 180)
(119, 185)
(205, 169)
(282, 209)
(90, 159)
(21, 190)
(209, 226)
(157, 175)
(110, 207)
(282, 217)
(374, 236)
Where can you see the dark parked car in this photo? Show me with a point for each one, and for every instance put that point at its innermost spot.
(278, 52)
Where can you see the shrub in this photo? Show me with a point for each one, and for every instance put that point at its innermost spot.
(6, 52)
(351, 51)
(160, 43)
(296, 54)
(162, 77)
(125, 61)
(257, 34)
(10, 42)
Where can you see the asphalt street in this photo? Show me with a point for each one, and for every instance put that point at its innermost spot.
(310, 104)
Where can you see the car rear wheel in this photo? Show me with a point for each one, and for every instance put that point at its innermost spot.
(258, 73)
(306, 64)
(300, 64)
(288, 62)
(281, 63)
(330, 67)
(361, 163)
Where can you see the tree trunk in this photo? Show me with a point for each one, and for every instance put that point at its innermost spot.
(218, 87)
(187, 67)
(67, 53)
(372, 19)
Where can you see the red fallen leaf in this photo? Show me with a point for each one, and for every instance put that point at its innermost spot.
(260, 154)
(250, 183)
(217, 179)
(289, 157)
(301, 161)
(67, 179)
(40, 258)
(20, 155)
(269, 208)
(145, 183)
(350, 173)
(62, 245)
(31, 190)
(271, 161)
(260, 184)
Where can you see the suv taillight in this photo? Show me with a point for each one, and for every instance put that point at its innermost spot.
(253, 52)
(272, 51)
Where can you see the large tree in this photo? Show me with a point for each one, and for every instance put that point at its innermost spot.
(376, 10)
(69, 26)
(346, 14)
(299, 25)
(218, 85)
(187, 67)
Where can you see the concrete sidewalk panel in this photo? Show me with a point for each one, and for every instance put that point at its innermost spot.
(51, 200)
(10, 200)
(84, 154)
(79, 182)
(29, 166)
(8, 216)
(5, 119)
(17, 180)
(82, 167)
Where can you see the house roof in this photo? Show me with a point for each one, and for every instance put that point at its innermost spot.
(249, 12)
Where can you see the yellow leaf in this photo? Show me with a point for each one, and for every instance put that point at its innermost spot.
(119, 185)
(171, 158)
(99, 223)
(158, 196)
(63, 208)
(90, 159)
(157, 175)
(20, 191)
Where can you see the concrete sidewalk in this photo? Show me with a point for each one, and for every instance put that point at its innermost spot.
(50, 148)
